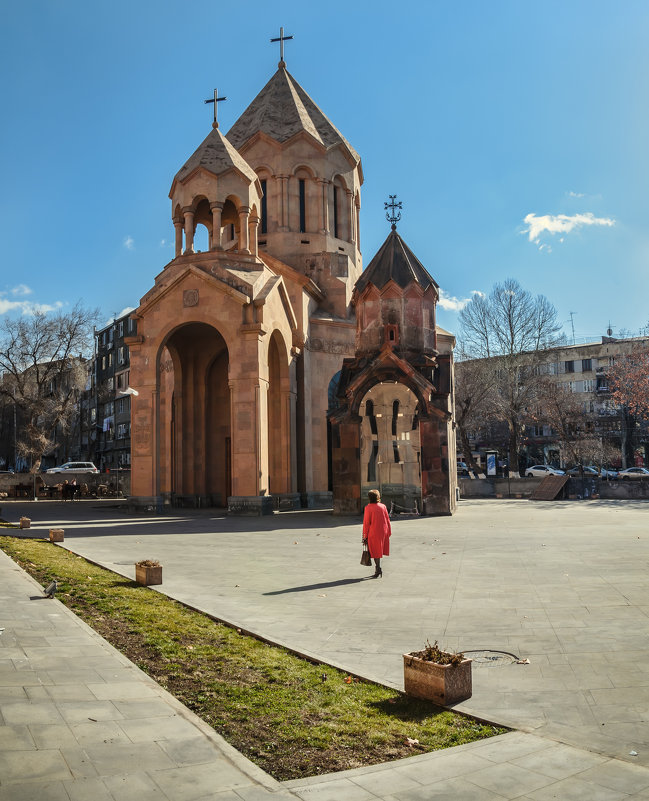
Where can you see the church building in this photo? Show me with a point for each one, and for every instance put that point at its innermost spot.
(268, 366)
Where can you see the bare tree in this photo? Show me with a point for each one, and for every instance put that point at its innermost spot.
(513, 325)
(629, 382)
(474, 401)
(42, 359)
(572, 427)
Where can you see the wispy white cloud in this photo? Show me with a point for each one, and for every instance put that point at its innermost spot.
(451, 303)
(26, 306)
(575, 194)
(129, 243)
(21, 290)
(551, 224)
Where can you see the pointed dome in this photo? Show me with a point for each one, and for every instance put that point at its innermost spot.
(283, 109)
(216, 155)
(395, 262)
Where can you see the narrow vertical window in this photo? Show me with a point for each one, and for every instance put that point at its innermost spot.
(264, 209)
(302, 206)
(335, 211)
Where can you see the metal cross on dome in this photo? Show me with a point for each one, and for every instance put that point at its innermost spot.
(216, 99)
(281, 39)
(393, 216)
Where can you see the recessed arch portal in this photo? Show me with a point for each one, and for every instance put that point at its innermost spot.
(391, 445)
(279, 417)
(194, 415)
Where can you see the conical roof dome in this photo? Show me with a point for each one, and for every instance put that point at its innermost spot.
(217, 155)
(395, 262)
(283, 109)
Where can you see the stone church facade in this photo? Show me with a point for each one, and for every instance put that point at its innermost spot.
(240, 348)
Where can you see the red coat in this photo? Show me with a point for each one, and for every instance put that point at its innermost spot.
(377, 530)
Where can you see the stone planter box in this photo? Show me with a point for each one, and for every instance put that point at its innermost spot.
(148, 575)
(57, 534)
(25, 522)
(442, 684)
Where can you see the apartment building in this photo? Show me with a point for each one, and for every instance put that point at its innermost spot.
(582, 369)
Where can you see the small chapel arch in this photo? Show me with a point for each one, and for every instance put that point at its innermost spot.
(390, 445)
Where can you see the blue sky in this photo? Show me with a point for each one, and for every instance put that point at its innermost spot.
(515, 134)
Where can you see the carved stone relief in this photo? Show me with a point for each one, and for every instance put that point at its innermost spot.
(190, 297)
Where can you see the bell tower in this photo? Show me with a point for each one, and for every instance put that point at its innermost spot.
(310, 179)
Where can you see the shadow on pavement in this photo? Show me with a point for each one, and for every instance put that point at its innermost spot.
(322, 586)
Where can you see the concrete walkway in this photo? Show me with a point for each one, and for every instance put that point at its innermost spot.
(561, 584)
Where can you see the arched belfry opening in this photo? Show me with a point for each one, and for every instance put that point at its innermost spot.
(194, 429)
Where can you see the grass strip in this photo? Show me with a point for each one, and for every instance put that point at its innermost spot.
(289, 716)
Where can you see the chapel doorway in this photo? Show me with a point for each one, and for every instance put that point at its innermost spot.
(279, 418)
(194, 427)
(391, 446)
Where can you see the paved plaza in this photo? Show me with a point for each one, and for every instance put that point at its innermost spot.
(562, 584)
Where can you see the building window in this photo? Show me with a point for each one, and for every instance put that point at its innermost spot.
(121, 328)
(110, 359)
(586, 365)
(264, 208)
(302, 206)
(103, 362)
(93, 415)
(568, 367)
(120, 355)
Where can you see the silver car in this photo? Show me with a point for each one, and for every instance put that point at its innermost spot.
(633, 472)
(74, 467)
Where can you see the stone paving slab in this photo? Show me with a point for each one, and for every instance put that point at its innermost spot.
(561, 584)
(87, 736)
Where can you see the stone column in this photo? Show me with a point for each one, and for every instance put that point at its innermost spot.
(178, 225)
(244, 235)
(188, 211)
(324, 227)
(217, 208)
(351, 232)
(253, 229)
(357, 207)
(283, 206)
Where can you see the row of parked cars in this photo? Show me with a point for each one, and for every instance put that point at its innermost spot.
(629, 473)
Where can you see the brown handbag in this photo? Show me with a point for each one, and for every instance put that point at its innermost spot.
(366, 559)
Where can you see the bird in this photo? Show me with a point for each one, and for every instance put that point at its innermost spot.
(50, 589)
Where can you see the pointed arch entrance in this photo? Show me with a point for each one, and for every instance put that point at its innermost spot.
(194, 417)
(280, 412)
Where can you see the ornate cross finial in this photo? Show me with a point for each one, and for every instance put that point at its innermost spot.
(216, 99)
(281, 39)
(395, 216)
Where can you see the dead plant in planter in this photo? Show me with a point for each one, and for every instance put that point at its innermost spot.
(433, 653)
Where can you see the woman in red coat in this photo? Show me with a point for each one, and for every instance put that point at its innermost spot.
(377, 530)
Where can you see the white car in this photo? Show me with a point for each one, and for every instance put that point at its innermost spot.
(541, 470)
(633, 472)
(74, 467)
